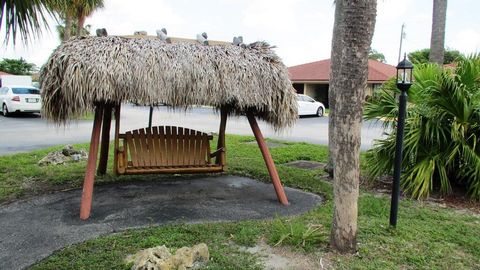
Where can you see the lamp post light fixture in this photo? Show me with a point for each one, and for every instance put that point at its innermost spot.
(404, 81)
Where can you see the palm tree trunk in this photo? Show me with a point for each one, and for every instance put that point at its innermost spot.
(68, 27)
(437, 41)
(352, 36)
(331, 94)
(81, 21)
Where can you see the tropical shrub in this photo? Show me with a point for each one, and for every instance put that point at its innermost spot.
(442, 129)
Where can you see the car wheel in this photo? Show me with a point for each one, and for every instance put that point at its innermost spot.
(5, 110)
(320, 112)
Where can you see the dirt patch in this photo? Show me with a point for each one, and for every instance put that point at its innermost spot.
(32, 187)
(306, 164)
(460, 204)
(382, 186)
(457, 200)
(283, 258)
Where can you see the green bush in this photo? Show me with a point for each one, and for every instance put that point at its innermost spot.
(442, 129)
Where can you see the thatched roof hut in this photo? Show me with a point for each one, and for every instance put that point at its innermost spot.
(89, 70)
(100, 73)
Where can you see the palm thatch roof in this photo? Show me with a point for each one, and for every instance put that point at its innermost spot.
(90, 70)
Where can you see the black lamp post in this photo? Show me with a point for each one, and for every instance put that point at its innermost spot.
(404, 81)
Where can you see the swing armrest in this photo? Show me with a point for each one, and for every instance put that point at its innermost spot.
(217, 152)
(121, 160)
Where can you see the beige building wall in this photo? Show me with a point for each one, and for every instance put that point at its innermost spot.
(369, 90)
(309, 90)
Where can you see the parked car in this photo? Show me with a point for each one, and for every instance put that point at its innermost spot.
(309, 106)
(20, 99)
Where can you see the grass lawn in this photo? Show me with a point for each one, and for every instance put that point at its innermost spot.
(427, 237)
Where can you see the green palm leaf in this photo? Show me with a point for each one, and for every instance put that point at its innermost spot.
(442, 129)
(24, 18)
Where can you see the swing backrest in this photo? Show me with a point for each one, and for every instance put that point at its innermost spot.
(164, 147)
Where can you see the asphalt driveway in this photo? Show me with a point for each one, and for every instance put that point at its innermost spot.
(23, 133)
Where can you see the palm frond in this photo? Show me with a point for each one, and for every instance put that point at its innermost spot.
(24, 18)
(383, 105)
(442, 130)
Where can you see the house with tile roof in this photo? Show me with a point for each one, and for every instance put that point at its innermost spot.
(312, 79)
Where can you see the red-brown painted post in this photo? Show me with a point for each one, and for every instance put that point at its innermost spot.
(221, 159)
(117, 132)
(87, 193)
(272, 170)
(105, 141)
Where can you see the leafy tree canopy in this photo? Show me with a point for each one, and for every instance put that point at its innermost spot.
(375, 55)
(422, 56)
(17, 66)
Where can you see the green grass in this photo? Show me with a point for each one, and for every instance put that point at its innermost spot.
(427, 237)
(109, 252)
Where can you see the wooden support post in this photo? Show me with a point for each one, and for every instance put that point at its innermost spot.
(116, 142)
(105, 142)
(272, 170)
(150, 116)
(222, 159)
(86, 203)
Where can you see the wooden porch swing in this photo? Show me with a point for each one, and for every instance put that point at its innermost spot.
(168, 149)
(162, 150)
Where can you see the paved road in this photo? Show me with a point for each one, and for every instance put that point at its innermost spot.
(32, 229)
(26, 132)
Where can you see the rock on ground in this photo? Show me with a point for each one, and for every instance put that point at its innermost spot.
(160, 258)
(67, 154)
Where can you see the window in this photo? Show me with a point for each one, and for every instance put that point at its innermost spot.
(305, 98)
(31, 91)
(3, 91)
(309, 99)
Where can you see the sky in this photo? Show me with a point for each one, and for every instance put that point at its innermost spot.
(300, 29)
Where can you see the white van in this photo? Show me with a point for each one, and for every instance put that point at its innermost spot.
(19, 98)
(8, 80)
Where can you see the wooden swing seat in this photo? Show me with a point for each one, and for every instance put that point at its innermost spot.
(167, 150)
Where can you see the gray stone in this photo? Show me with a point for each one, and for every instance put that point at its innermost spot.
(69, 151)
(101, 32)
(68, 154)
(238, 40)
(76, 157)
(53, 158)
(162, 34)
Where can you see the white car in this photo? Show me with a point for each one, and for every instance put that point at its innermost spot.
(309, 106)
(20, 99)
